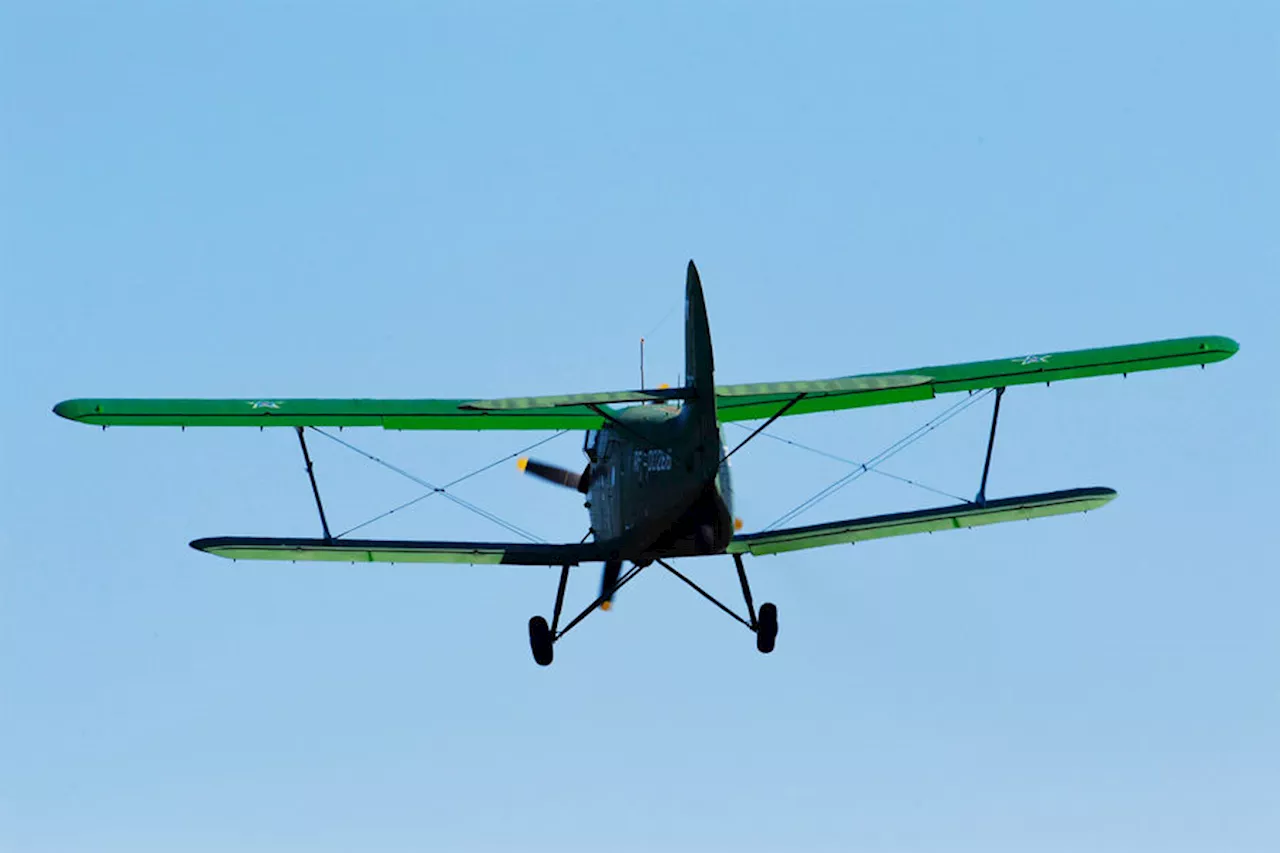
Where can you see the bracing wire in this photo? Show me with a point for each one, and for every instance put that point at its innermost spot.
(450, 484)
(665, 318)
(855, 463)
(440, 490)
(881, 457)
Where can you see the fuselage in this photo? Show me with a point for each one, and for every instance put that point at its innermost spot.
(659, 484)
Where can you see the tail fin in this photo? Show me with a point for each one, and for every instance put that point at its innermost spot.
(699, 364)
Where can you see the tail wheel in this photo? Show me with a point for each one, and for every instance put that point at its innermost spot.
(540, 641)
(767, 627)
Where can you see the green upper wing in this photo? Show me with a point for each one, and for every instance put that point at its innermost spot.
(281, 412)
(921, 521)
(582, 411)
(747, 402)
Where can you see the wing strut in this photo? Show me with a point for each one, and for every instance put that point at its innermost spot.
(315, 490)
(785, 408)
(991, 443)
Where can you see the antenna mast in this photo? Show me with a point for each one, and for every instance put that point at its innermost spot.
(642, 364)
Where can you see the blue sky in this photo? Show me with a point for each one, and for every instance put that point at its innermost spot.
(443, 200)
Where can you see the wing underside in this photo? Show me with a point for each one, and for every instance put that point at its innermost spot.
(395, 551)
(1022, 508)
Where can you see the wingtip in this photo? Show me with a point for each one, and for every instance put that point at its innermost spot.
(66, 409)
(1103, 495)
(1216, 347)
(212, 546)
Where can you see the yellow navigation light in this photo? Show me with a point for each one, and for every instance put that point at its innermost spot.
(605, 605)
(737, 524)
(522, 462)
(664, 386)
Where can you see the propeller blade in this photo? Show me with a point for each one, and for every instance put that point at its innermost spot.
(556, 474)
(609, 583)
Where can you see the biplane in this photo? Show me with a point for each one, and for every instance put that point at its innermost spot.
(657, 480)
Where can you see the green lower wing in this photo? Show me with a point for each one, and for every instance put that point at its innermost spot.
(748, 402)
(922, 521)
(393, 551)
(279, 412)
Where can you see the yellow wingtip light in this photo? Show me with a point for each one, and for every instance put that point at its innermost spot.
(663, 387)
(737, 524)
(606, 605)
(522, 462)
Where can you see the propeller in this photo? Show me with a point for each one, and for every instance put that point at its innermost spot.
(556, 474)
(582, 483)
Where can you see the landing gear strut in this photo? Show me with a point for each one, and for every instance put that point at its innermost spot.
(765, 626)
(543, 637)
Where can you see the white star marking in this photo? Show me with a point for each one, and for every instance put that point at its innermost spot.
(265, 404)
(1032, 359)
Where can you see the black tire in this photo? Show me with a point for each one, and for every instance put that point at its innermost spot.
(766, 627)
(541, 642)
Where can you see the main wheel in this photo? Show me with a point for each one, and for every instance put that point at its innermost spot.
(540, 641)
(766, 627)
